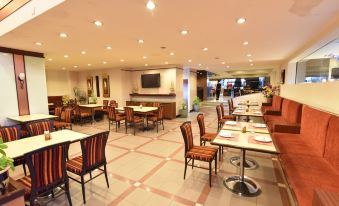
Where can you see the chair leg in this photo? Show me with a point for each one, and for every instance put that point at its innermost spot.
(220, 153)
(24, 167)
(210, 171)
(134, 129)
(105, 170)
(126, 126)
(68, 193)
(31, 201)
(185, 167)
(157, 126)
(83, 189)
(162, 122)
(90, 175)
(109, 125)
(52, 193)
(116, 126)
(216, 162)
(192, 163)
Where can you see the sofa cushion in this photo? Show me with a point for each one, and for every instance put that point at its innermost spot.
(332, 142)
(292, 144)
(276, 118)
(314, 124)
(285, 107)
(293, 113)
(276, 102)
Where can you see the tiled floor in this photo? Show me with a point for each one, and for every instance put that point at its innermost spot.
(147, 169)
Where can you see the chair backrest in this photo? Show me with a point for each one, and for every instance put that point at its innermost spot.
(47, 166)
(129, 112)
(68, 115)
(332, 142)
(232, 103)
(200, 119)
(291, 111)
(10, 133)
(111, 113)
(314, 125)
(218, 112)
(93, 151)
(160, 112)
(112, 103)
(105, 103)
(39, 127)
(222, 109)
(277, 102)
(156, 104)
(229, 107)
(57, 112)
(186, 131)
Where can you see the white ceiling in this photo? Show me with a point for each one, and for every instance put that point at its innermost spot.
(274, 30)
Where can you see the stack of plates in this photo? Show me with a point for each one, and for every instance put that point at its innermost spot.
(258, 125)
(263, 139)
(226, 134)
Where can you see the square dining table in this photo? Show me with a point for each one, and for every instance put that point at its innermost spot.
(240, 184)
(92, 107)
(145, 111)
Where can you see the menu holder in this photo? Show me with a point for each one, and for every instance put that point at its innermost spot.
(47, 135)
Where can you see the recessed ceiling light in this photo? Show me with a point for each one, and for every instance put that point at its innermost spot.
(184, 32)
(241, 20)
(50, 59)
(227, 66)
(171, 53)
(83, 52)
(205, 49)
(146, 65)
(75, 66)
(251, 64)
(97, 23)
(222, 62)
(250, 60)
(89, 65)
(66, 56)
(38, 43)
(140, 41)
(190, 60)
(199, 65)
(144, 57)
(122, 60)
(249, 55)
(150, 5)
(63, 35)
(108, 47)
(166, 62)
(63, 68)
(245, 43)
(104, 62)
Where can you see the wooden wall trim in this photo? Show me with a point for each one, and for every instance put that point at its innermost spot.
(21, 52)
(22, 94)
(11, 7)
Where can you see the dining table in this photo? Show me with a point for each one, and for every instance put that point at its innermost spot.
(144, 111)
(23, 119)
(92, 107)
(244, 141)
(18, 148)
(248, 112)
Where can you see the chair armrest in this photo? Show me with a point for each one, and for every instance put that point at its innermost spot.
(286, 128)
(266, 104)
(273, 112)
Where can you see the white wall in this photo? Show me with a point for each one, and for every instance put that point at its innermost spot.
(192, 81)
(8, 95)
(58, 82)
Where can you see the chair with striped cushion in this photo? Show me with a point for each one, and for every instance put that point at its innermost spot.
(200, 153)
(227, 117)
(93, 157)
(204, 136)
(65, 123)
(114, 118)
(132, 119)
(39, 127)
(158, 118)
(13, 133)
(47, 168)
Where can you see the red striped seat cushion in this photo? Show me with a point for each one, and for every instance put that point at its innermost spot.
(75, 165)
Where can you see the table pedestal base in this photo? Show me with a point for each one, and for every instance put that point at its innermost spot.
(243, 187)
(248, 164)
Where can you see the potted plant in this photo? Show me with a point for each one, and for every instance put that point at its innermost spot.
(92, 100)
(196, 104)
(183, 110)
(6, 163)
(268, 92)
(65, 99)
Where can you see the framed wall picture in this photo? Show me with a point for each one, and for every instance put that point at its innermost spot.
(105, 86)
(90, 89)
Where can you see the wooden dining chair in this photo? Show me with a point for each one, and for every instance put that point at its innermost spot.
(47, 168)
(65, 123)
(93, 157)
(221, 121)
(131, 119)
(158, 118)
(114, 118)
(39, 127)
(227, 117)
(82, 114)
(204, 136)
(13, 133)
(200, 153)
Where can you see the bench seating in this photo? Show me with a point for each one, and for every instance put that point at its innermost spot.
(274, 106)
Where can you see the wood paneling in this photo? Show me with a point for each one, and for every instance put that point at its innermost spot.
(22, 52)
(169, 108)
(22, 94)
(152, 95)
(11, 7)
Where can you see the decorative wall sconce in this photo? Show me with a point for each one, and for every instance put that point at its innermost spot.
(21, 78)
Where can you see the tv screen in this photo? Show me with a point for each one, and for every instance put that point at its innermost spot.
(150, 80)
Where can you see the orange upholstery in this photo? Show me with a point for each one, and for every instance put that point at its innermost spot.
(202, 153)
(75, 165)
(204, 137)
(208, 136)
(332, 143)
(39, 127)
(10, 133)
(26, 182)
(276, 104)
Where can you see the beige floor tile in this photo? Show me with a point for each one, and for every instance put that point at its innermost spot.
(160, 147)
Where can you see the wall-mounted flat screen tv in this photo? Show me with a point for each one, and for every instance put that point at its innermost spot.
(150, 80)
